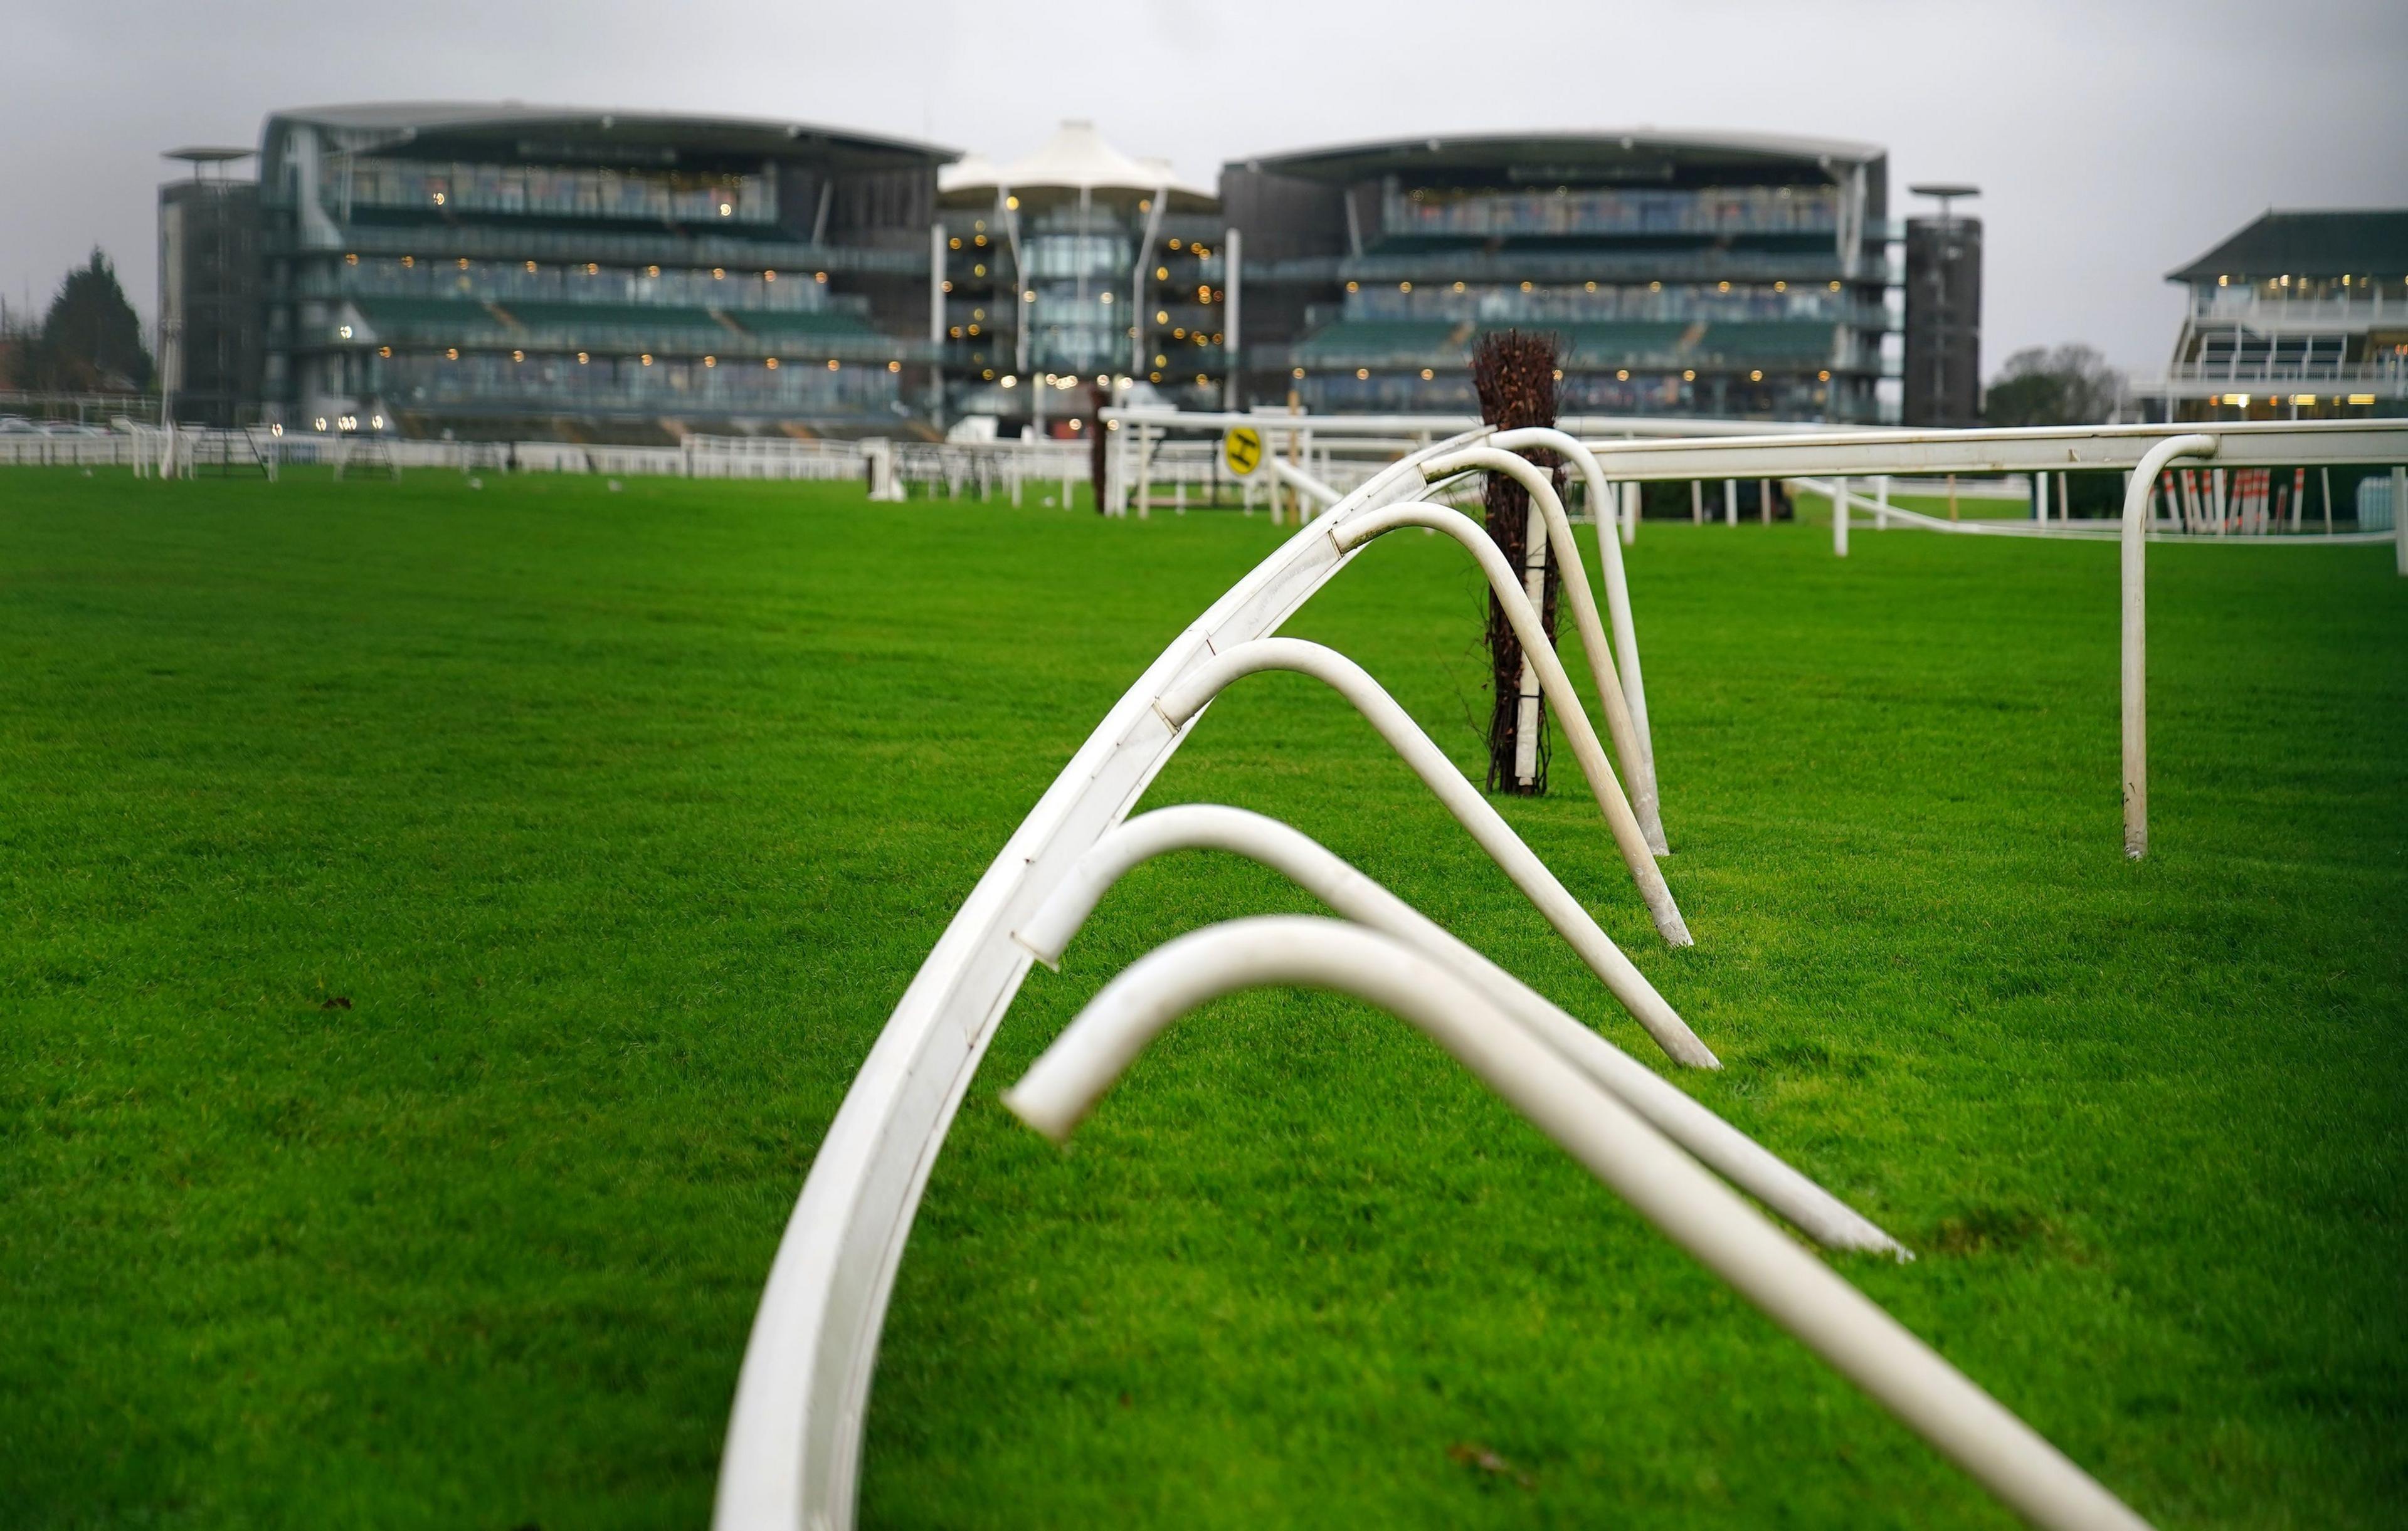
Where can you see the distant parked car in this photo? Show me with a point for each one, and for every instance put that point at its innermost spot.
(68, 427)
(18, 426)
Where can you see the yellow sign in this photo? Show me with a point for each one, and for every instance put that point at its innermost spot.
(1242, 449)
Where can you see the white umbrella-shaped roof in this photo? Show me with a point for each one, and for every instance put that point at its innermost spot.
(1075, 159)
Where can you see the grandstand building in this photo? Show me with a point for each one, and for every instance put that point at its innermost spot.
(1687, 273)
(466, 267)
(210, 316)
(1075, 266)
(2301, 315)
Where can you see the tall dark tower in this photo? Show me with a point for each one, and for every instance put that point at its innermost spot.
(1943, 314)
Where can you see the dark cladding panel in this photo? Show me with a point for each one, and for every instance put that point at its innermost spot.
(1943, 322)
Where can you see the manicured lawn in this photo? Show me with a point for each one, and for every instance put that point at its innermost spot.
(439, 924)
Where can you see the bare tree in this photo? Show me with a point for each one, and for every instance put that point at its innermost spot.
(2067, 385)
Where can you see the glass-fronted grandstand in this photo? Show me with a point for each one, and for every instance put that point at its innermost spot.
(1687, 274)
(465, 267)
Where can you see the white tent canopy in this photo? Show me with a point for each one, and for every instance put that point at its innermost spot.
(1075, 159)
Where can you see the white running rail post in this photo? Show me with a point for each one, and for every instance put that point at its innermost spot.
(1470, 808)
(2136, 632)
(1549, 667)
(1839, 518)
(1290, 851)
(1638, 752)
(1851, 1333)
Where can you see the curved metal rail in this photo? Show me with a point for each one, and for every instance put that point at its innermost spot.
(1606, 666)
(1310, 864)
(1472, 810)
(1845, 1328)
(791, 1460)
(1542, 660)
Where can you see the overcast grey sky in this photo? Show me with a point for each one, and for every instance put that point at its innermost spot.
(2112, 141)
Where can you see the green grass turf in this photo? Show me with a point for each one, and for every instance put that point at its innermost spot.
(620, 820)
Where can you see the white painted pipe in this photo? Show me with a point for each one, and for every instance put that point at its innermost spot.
(1305, 485)
(2136, 632)
(1696, 1212)
(1290, 851)
(1639, 757)
(1635, 852)
(1839, 518)
(1472, 810)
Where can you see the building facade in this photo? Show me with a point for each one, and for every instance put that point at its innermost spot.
(1076, 265)
(1686, 274)
(1941, 383)
(466, 267)
(2301, 315)
(210, 323)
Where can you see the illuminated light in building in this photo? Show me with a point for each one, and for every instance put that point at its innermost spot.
(1822, 376)
(1162, 273)
(979, 241)
(1351, 287)
(1012, 203)
(955, 243)
(948, 287)
(350, 260)
(322, 423)
(1174, 244)
(719, 273)
(580, 358)
(384, 351)
(451, 353)
(1145, 204)
(818, 276)
(893, 366)
(978, 271)
(1721, 287)
(1078, 424)
(1029, 297)
(1179, 334)
(974, 329)
(980, 225)
(1404, 287)
(345, 332)
(2303, 398)
(1655, 286)
(592, 269)
(1590, 287)
(710, 361)
(408, 261)
(989, 373)
(651, 271)
(1216, 337)
(956, 332)
(518, 356)
(464, 262)
(1689, 377)
(647, 358)
(2224, 281)
(1835, 287)
(1559, 373)
(2240, 399)
(1008, 382)
(1162, 316)
(1103, 297)
(1427, 374)
(1300, 372)
(377, 421)
(530, 265)
(1780, 287)
(1362, 374)
(2361, 398)
(1755, 376)
(978, 313)
(1621, 375)
(1526, 287)
(832, 364)
(768, 276)
(1458, 287)
(348, 423)
(277, 429)
(438, 202)
(1162, 361)
(726, 210)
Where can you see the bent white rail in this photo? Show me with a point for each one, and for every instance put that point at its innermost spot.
(1547, 510)
(1460, 798)
(1540, 656)
(1645, 797)
(2135, 571)
(791, 1460)
(1855, 1336)
(1312, 866)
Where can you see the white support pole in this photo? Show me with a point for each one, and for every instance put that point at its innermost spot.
(1700, 1214)
(937, 284)
(2040, 497)
(1730, 502)
(1764, 502)
(1696, 502)
(1630, 512)
(2064, 500)
(1839, 518)
(1232, 281)
(1881, 503)
(2136, 633)
(2399, 522)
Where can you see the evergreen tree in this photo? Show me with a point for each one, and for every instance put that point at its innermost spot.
(90, 340)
